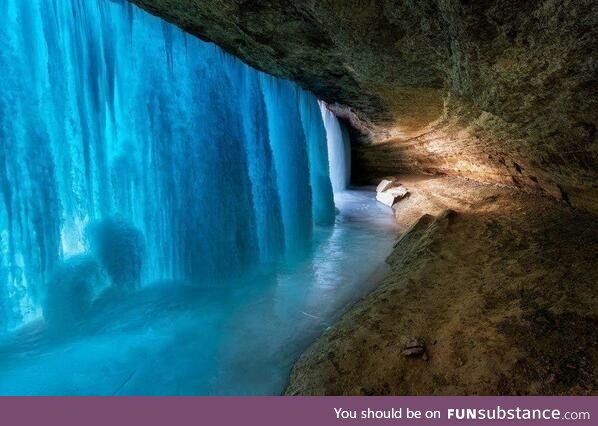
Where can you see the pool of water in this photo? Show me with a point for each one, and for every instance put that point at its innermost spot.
(242, 339)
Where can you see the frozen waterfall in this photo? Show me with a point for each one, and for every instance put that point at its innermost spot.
(339, 153)
(131, 152)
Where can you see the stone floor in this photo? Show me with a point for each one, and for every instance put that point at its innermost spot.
(500, 286)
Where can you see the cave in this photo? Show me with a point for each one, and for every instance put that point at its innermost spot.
(303, 198)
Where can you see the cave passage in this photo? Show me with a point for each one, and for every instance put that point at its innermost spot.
(167, 217)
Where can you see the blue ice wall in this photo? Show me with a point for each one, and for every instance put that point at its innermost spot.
(109, 114)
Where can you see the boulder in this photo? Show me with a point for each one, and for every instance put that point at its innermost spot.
(414, 347)
(386, 184)
(393, 195)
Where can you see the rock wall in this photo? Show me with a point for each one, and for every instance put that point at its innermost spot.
(494, 90)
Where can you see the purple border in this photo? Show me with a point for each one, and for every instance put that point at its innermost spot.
(265, 411)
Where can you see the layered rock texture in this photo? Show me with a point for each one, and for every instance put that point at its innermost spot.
(491, 292)
(495, 90)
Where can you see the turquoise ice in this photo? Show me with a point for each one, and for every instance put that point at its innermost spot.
(108, 112)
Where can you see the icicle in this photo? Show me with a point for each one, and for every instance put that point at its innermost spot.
(339, 154)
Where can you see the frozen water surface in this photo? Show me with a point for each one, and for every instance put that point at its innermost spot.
(170, 339)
